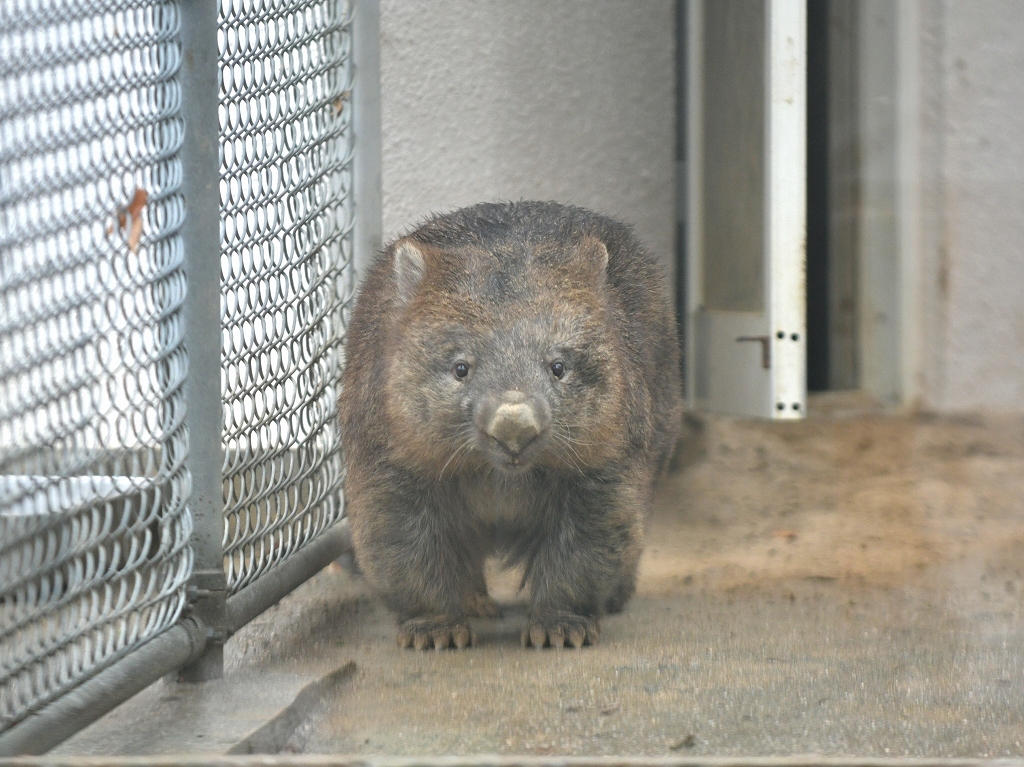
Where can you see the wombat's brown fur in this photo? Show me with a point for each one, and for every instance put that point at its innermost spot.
(511, 388)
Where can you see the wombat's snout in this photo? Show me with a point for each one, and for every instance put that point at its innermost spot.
(514, 421)
(514, 426)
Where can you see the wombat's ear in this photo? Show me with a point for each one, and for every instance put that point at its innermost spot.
(410, 266)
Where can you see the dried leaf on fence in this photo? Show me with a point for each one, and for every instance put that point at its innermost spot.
(138, 202)
(135, 234)
(133, 210)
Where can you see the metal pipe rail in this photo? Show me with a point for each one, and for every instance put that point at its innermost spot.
(166, 653)
(177, 646)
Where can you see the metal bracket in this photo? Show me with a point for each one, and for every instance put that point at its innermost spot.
(766, 348)
(207, 593)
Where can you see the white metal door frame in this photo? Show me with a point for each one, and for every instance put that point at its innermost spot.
(754, 363)
(786, 220)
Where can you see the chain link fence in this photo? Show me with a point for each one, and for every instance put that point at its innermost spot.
(95, 527)
(286, 179)
(93, 522)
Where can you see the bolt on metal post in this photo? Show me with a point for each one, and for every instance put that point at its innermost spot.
(200, 79)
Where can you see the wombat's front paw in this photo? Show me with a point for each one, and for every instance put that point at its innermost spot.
(560, 629)
(439, 632)
(481, 606)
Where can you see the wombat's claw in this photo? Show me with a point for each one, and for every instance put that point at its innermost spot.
(561, 631)
(424, 633)
(482, 606)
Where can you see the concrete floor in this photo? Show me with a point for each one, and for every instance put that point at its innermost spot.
(847, 585)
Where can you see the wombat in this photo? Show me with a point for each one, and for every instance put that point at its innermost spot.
(511, 388)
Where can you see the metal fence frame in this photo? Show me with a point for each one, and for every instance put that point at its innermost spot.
(193, 647)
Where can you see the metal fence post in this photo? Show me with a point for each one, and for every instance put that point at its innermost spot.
(200, 79)
(367, 183)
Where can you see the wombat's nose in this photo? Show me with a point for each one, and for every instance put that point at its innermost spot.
(514, 426)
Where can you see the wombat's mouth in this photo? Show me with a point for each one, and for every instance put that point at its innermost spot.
(518, 462)
(514, 465)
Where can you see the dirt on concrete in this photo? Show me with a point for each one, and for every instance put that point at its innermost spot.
(849, 584)
(873, 501)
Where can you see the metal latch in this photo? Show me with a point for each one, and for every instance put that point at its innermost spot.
(766, 348)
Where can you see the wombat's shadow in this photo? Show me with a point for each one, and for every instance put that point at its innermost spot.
(505, 630)
(504, 586)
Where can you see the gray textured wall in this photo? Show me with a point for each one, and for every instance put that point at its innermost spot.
(536, 99)
(972, 163)
(573, 100)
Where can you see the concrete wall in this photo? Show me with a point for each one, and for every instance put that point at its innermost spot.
(566, 100)
(972, 204)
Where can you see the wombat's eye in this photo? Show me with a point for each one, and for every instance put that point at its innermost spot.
(558, 369)
(461, 369)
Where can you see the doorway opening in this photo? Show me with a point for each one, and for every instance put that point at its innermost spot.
(833, 197)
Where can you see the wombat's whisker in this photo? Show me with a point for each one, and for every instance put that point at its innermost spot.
(575, 459)
(564, 438)
(462, 448)
(576, 441)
